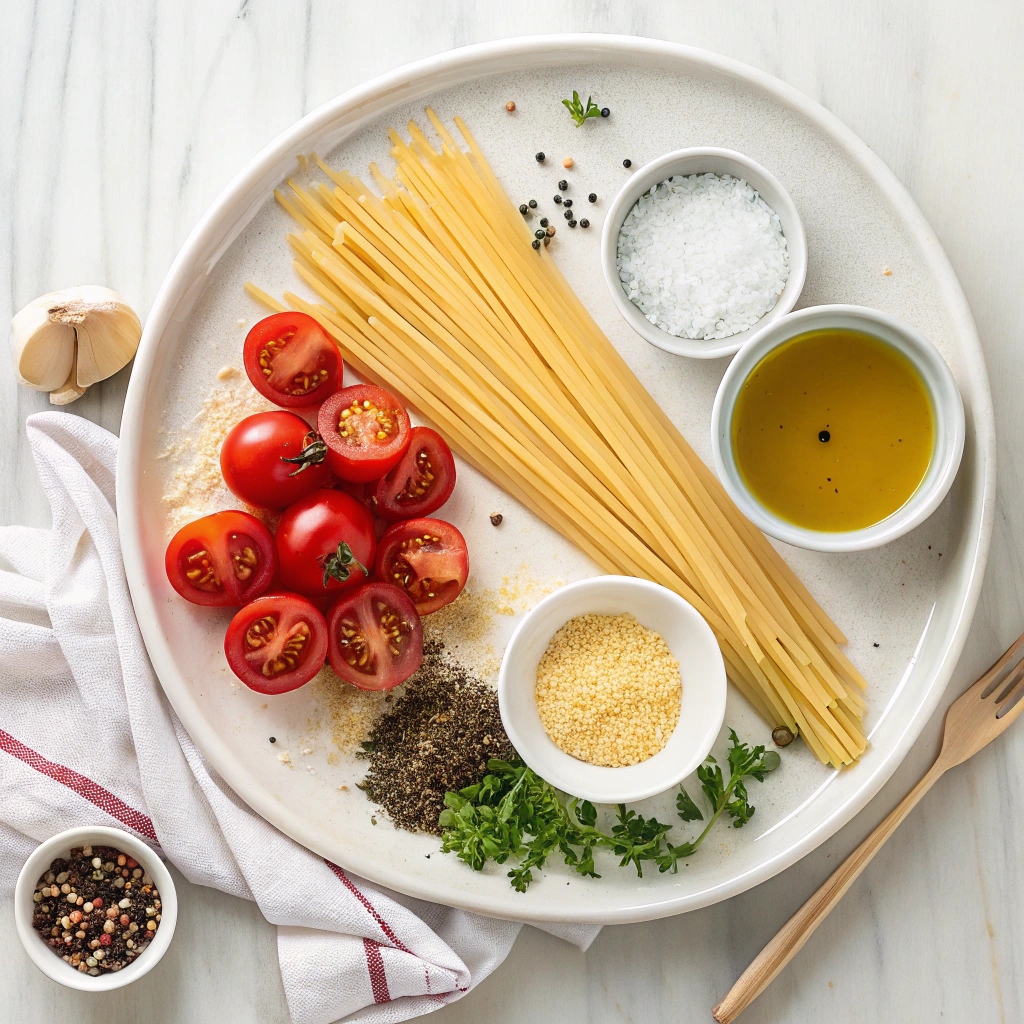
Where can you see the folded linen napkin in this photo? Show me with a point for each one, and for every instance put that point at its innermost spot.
(88, 737)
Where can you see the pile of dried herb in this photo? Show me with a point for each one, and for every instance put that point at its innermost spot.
(438, 738)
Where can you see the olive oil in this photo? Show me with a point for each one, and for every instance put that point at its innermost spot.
(833, 430)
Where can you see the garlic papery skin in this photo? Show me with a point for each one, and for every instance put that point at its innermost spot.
(89, 331)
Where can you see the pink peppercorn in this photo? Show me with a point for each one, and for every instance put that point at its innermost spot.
(105, 939)
(125, 920)
(75, 916)
(132, 863)
(97, 901)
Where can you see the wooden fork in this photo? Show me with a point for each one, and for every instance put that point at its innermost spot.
(973, 722)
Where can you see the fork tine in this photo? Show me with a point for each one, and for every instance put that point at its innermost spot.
(1009, 683)
(1012, 705)
(991, 679)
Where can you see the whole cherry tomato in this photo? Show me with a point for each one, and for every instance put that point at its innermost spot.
(325, 544)
(272, 459)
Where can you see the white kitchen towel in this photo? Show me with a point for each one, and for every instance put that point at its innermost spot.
(87, 737)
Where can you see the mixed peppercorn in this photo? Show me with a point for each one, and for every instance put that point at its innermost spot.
(97, 909)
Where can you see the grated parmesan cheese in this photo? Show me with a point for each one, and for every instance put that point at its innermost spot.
(608, 690)
(196, 487)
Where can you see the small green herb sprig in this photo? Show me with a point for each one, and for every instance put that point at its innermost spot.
(512, 814)
(578, 111)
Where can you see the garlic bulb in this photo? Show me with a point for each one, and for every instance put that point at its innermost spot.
(64, 341)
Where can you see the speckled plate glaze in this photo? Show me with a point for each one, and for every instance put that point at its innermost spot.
(905, 607)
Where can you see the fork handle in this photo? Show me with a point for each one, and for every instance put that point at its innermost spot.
(798, 929)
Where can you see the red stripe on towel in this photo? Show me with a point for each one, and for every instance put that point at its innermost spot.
(91, 791)
(370, 908)
(375, 965)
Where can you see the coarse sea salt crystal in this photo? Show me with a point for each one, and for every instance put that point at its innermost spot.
(702, 256)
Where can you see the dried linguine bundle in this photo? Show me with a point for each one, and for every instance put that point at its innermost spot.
(434, 291)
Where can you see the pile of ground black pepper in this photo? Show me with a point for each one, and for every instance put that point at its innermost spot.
(438, 737)
(96, 910)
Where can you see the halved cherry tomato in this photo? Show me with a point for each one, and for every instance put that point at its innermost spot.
(223, 559)
(366, 430)
(276, 643)
(421, 482)
(375, 637)
(325, 544)
(272, 459)
(292, 361)
(427, 558)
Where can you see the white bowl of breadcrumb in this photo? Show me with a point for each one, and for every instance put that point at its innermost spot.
(613, 689)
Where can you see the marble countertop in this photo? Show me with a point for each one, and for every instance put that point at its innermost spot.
(121, 123)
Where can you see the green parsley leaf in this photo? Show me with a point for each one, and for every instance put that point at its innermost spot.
(513, 815)
(579, 112)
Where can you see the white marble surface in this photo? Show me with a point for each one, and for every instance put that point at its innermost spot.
(120, 123)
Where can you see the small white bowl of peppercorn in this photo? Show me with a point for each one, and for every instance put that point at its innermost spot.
(100, 898)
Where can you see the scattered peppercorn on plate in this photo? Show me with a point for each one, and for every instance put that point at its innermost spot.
(442, 226)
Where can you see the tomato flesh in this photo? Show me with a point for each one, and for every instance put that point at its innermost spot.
(427, 558)
(292, 361)
(222, 559)
(375, 637)
(421, 481)
(276, 643)
(366, 430)
(324, 542)
(272, 459)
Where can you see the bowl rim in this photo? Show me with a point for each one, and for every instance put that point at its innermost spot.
(946, 402)
(39, 861)
(549, 763)
(763, 181)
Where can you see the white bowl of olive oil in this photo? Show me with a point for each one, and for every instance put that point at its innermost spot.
(838, 428)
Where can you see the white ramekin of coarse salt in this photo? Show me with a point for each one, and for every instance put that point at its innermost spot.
(684, 162)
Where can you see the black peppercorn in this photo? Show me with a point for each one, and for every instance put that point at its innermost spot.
(627, 163)
(273, 739)
(532, 204)
(572, 223)
(539, 158)
(568, 202)
(543, 222)
(568, 214)
(536, 243)
(558, 199)
(824, 436)
(563, 185)
(605, 111)
(496, 518)
(523, 209)
(539, 233)
(584, 223)
(592, 197)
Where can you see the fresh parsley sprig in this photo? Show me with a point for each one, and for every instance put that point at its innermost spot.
(579, 112)
(513, 814)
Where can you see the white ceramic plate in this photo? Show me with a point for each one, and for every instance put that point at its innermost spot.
(914, 598)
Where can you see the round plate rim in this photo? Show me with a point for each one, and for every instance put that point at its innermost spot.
(562, 49)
